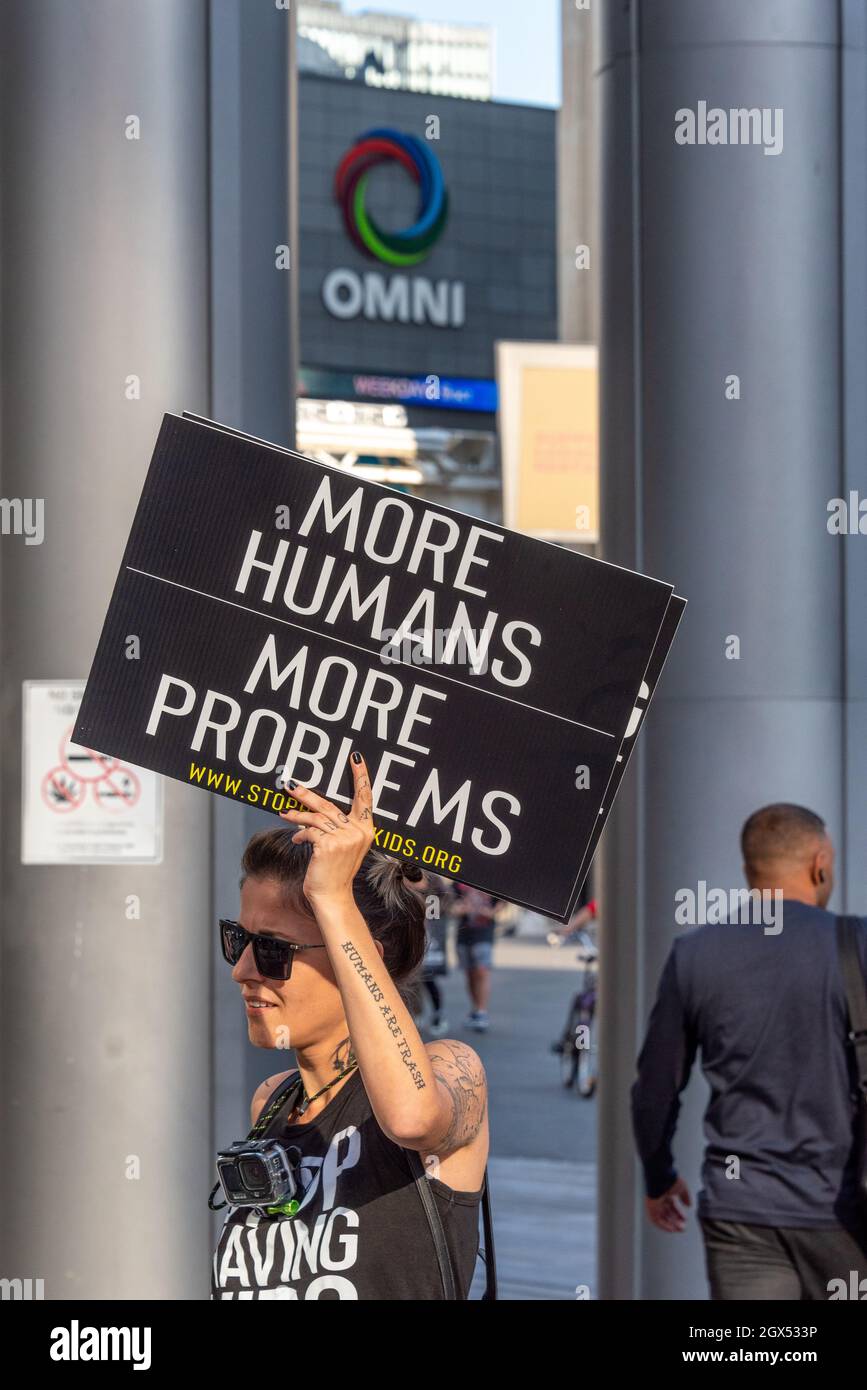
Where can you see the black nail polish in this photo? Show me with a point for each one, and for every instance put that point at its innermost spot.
(356, 757)
(291, 785)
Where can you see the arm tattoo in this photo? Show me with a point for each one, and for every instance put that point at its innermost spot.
(388, 1014)
(366, 976)
(459, 1071)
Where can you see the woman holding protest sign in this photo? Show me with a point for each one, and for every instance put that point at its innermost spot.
(363, 1175)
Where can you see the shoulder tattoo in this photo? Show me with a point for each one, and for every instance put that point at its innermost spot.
(460, 1073)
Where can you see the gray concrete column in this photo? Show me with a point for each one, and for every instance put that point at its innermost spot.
(853, 125)
(719, 260)
(104, 1021)
(254, 324)
(577, 201)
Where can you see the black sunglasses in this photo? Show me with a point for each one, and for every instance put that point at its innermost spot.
(273, 954)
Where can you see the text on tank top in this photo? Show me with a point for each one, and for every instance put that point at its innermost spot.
(360, 1231)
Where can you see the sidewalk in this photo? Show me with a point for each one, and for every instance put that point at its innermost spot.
(543, 1138)
(544, 1228)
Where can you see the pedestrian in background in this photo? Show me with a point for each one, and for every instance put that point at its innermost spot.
(779, 1207)
(435, 965)
(476, 914)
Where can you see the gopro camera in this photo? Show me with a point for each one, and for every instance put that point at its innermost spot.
(258, 1173)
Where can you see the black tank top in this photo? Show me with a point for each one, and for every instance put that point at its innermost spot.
(361, 1231)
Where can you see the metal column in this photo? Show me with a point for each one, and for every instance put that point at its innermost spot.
(254, 324)
(104, 1021)
(718, 260)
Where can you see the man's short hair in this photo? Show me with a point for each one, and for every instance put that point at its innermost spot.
(781, 833)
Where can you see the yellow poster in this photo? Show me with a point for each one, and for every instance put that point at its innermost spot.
(549, 439)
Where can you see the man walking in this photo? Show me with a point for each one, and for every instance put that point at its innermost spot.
(766, 1009)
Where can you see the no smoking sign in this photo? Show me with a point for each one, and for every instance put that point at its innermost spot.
(81, 806)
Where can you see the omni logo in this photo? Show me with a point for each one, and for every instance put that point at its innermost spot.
(400, 298)
(383, 146)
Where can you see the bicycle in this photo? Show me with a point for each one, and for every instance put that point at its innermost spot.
(577, 1044)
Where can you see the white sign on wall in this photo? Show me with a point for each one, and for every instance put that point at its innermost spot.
(79, 806)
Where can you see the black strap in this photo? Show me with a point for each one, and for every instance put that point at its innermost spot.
(856, 992)
(444, 1259)
(270, 1112)
(489, 1257)
(441, 1248)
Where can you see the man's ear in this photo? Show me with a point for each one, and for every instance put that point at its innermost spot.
(380, 948)
(820, 867)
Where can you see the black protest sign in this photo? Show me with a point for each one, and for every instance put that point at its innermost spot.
(287, 612)
(670, 623)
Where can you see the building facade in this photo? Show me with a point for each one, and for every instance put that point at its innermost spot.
(397, 359)
(396, 51)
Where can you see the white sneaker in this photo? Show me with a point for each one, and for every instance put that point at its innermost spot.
(438, 1030)
(479, 1020)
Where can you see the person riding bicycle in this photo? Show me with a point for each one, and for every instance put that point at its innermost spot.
(580, 919)
(576, 1044)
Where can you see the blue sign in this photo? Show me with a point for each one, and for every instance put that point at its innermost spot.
(435, 392)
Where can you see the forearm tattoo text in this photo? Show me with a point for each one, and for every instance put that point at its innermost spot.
(388, 1014)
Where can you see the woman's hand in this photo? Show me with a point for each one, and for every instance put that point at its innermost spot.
(340, 840)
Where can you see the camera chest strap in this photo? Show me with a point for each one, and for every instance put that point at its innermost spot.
(276, 1104)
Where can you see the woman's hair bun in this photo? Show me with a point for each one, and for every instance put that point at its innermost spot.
(384, 872)
(394, 912)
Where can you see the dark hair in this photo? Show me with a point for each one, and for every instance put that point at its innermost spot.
(393, 910)
(779, 833)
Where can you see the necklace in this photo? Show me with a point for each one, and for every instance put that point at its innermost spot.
(306, 1100)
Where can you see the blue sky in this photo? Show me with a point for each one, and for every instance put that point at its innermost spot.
(526, 39)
